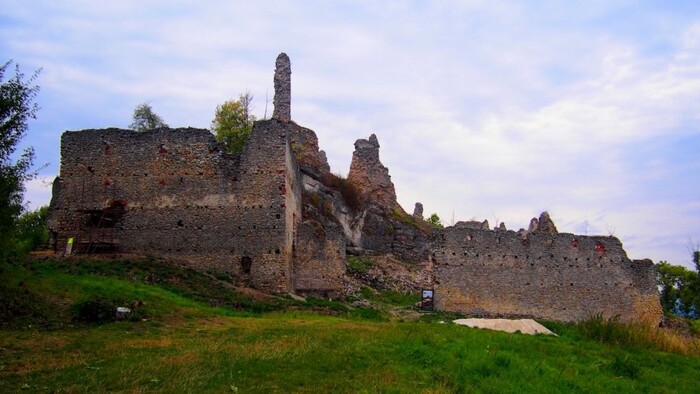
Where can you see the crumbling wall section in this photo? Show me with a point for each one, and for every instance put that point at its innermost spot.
(178, 195)
(320, 259)
(371, 177)
(270, 178)
(551, 276)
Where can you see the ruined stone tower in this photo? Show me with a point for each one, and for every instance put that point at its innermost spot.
(283, 89)
(370, 176)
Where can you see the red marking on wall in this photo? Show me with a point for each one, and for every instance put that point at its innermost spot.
(574, 243)
(108, 149)
(107, 181)
(280, 171)
(161, 149)
(283, 190)
(163, 182)
(599, 247)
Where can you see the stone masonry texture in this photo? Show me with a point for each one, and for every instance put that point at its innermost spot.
(283, 89)
(560, 277)
(179, 195)
(370, 176)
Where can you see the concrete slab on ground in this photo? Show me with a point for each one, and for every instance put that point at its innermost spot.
(525, 326)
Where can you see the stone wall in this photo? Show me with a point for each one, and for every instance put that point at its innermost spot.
(370, 176)
(283, 89)
(319, 266)
(174, 193)
(551, 276)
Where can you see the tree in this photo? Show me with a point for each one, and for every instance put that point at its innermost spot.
(17, 106)
(233, 123)
(32, 231)
(679, 289)
(145, 119)
(434, 220)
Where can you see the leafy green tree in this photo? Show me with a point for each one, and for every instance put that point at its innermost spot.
(145, 119)
(233, 123)
(679, 288)
(434, 220)
(32, 231)
(17, 106)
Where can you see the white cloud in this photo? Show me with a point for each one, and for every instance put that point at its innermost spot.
(38, 192)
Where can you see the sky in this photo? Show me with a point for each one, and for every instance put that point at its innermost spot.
(493, 110)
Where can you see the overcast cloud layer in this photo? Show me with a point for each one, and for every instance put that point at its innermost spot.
(491, 110)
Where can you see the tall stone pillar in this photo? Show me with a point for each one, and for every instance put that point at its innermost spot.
(283, 89)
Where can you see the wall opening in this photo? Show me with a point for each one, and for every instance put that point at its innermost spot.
(246, 264)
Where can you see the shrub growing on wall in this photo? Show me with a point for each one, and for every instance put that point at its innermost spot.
(233, 123)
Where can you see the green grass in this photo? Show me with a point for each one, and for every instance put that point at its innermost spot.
(359, 264)
(388, 297)
(187, 345)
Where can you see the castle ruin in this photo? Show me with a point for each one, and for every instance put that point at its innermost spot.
(273, 217)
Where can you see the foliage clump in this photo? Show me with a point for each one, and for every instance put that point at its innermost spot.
(233, 123)
(17, 106)
(679, 288)
(359, 264)
(347, 189)
(145, 119)
(434, 221)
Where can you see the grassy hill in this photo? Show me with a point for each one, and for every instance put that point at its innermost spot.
(194, 332)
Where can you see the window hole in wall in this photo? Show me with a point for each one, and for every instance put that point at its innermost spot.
(277, 216)
(246, 264)
(180, 223)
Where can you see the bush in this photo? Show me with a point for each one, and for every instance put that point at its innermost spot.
(347, 189)
(359, 264)
(97, 310)
(100, 310)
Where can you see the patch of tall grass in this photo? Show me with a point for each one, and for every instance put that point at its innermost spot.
(614, 332)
